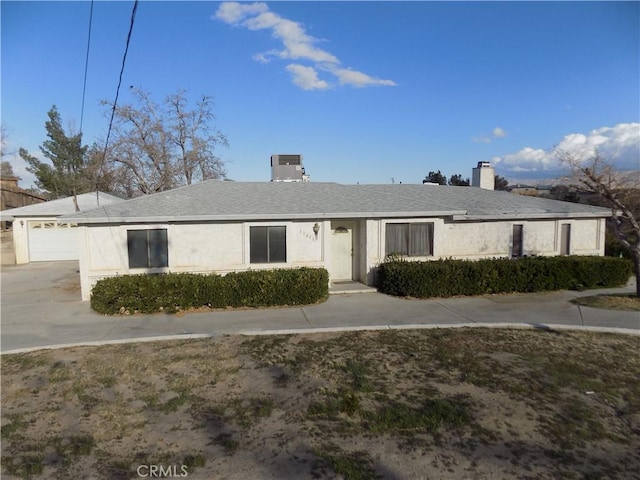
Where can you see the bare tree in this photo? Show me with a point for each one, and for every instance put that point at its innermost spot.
(158, 147)
(6, 169)
(3, 141)
(595, 174)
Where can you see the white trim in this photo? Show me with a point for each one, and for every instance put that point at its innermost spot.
(409, 221)
(246, 231)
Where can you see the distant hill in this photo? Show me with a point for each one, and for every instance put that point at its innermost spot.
(564, 188)
(629, 177)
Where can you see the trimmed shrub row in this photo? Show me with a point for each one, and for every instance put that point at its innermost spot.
(174, 291)
(446, 278)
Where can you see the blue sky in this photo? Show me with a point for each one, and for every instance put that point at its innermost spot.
(366, 91)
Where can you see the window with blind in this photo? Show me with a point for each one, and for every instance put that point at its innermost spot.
(410, 239)
(268, 244)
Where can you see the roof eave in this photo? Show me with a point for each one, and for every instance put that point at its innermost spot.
(6, 217)
(115, 219)
(29, 215)
(530, 216)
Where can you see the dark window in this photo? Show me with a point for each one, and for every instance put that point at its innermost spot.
(565, 239)
(516, 250)
(147, 248)
(411, 239)
(268, 244)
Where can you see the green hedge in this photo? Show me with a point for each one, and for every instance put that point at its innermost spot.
(446, 278)
(613, 247)
(174, 291)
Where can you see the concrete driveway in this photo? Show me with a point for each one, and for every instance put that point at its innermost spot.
(38, 298)
(41, 307)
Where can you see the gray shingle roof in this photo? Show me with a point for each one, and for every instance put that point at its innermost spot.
(215, 200)
(62, 206)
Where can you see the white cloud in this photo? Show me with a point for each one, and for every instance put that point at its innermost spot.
(619, 144)
(495, 133)
(526, 160)
(234, 12)
(306, 77)
(499, 133)
(298, 45)
(348, 76)
(265, 57)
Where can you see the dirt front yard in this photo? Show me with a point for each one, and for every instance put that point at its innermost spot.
(392, 404)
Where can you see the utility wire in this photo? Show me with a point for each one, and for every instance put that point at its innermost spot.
(86, 68)
(115, 102)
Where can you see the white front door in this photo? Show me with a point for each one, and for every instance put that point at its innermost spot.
(341, 250)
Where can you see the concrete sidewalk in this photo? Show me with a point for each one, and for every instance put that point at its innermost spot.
(27, 324)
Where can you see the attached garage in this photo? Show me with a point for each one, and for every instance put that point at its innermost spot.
(38, 235)
(52, 240)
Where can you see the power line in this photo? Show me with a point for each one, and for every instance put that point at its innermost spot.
(86, 68)
(115, 102)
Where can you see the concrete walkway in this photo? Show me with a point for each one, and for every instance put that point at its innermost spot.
(30, 319)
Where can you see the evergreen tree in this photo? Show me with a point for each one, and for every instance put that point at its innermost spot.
(436, 177)
(500, 183)
(456, 180)
(66, 175)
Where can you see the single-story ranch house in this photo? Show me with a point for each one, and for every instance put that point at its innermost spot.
(220, 226)
(39, 236)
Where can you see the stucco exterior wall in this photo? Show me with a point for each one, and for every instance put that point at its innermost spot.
(225, 247)
(205, 248)
(303, 247)
(372, 250)
(20, 241)
(199, 248)
(476, 240)
(587, 236)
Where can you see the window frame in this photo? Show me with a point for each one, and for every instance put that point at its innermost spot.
(268, 251)
(520, 245)
(155, 259)
(565, 239)
(410, 248)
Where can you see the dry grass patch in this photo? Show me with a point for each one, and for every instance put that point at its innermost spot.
(621, 301)
(467, 403)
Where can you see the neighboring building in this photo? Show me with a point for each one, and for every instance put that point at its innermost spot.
(221, 227)
(39, 236)
(288, 168)
(483, 176)
(12, 196)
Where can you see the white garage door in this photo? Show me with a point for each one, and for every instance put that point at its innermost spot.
(52, 241)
